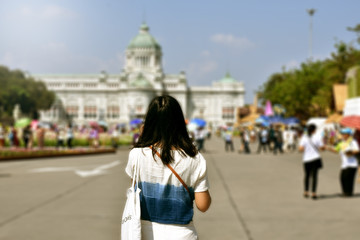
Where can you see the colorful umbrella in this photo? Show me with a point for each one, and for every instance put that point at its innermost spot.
(136, 121)
(262, 121)
(23, 122)
(103, 123)
(198, 121)
(94, 124)
(351, 121)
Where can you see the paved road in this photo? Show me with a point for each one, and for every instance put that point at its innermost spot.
(256, 196)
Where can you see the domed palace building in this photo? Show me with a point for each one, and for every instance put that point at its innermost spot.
(119, 98)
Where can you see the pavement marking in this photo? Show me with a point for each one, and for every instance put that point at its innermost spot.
(99, 170)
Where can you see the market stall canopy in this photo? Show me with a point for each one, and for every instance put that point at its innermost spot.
(351, 121)
(267, 120)
(291, 121)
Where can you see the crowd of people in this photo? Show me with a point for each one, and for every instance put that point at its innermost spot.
(29, 136)
(272, 139)
(306, 139)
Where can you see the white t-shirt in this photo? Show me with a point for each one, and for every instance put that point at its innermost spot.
(310, 144)
(163, 198)
(291, 136)
(200, 134)
(348, 161)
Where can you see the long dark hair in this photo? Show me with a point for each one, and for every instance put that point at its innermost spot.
(164, 127)
(311, 129)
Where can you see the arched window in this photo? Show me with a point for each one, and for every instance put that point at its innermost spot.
(72, 111)
(228, 113)
(113, 111)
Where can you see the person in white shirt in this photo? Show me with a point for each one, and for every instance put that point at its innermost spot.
(200, 135)
(292, 139)
(347, 148)
(310, 145)
(263, 139)
(166, 203)
(228, 137)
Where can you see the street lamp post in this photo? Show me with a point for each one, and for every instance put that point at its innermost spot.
(311, 12)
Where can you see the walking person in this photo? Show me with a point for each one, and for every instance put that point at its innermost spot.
(278, 140)
(310, 145)
(166, 205)
(27, 136)
(69, 136)
(60, 137)
(286, 139)
(2, 137)
(263, 139)
(200, 135)
(228, 137)
(271, 138)
(115, 137)
(292, 139)
(246, 141)
(40, 135)
(347, 148)
(15, 138)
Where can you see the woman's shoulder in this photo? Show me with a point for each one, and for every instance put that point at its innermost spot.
(196, 161)
(139, 150)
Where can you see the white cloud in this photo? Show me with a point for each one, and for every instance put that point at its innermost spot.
(232, 41)
(47, 12)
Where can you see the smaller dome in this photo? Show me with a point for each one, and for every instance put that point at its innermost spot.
(144, 39)
(228, 79)
(141, 82)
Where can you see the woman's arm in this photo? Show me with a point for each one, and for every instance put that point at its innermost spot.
(203, 200)
(331, 149)
(301, 148)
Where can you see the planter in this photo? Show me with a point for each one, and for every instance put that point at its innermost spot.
(14, 154)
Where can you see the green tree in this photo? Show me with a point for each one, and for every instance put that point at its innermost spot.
(16, 88)
(356, 30)
(307, 91)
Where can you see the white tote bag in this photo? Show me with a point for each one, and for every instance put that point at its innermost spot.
(131, 223)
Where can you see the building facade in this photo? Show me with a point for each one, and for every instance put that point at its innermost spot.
(119, 98)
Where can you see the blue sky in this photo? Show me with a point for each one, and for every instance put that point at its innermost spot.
(249, 38)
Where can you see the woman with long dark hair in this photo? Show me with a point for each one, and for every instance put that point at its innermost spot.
(310, 145)
(166, 202)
